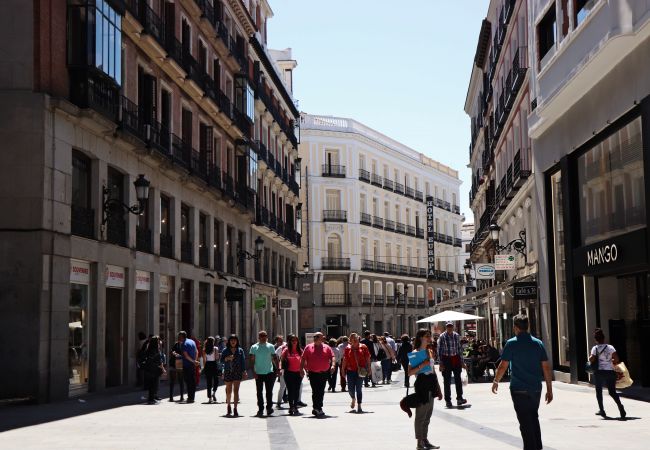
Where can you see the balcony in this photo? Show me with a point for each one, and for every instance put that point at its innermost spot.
(389, 185)
(522, 168)
(423, 273)
(366, 219)
(376, 180)
(390, 300)
(364, 175)
(166, 246)
(377, 222)
(186, 251)
(410, 230)
(392, 268)
(419, 195)
(379, 299)
(82, 221)
(218, 259)
(399, 188)
(366, 299)
(204, 256)
(389, 225)
(89, 88)
(420, 302)
(335, 215)
(143, 239)
(368, 264)
(230, 264)
(400, 228)
(419, 233)
(329, 170)
(335, 263)
(116, 231)
(336, 299)
(411, 302)
(409, 192)
(458, 242)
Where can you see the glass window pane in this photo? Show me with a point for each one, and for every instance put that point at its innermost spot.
(99, 50)
(105, 45)
(560, 279)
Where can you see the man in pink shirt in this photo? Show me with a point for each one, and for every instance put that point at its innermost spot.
(320, 362)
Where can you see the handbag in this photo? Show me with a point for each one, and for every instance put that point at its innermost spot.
(362, 371)
(593, 367)
(623, 379)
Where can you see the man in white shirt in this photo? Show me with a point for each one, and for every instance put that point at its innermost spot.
(280, 345)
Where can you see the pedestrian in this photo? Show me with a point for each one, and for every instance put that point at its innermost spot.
(280, 345)
(388, 356)
(318, 359)
(421, 364)
(604, 357)
(211, 359)
(356, 363)
(342, 346)
(234, 370)
(190, 363)
(451, 362)
(367, 341)
(526, 357)
(199, 352)
(264, 363)
(290, 363)
(390, 341)
(153, 367)
(337, 364)
(176, 368)
(403, 357)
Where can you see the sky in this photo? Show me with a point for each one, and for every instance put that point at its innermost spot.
(402, 71)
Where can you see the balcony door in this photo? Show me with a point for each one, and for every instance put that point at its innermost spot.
(333, 200)
(334, 246)
(331, 159)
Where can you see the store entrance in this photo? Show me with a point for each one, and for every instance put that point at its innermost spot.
(113, 337)
(622, 310)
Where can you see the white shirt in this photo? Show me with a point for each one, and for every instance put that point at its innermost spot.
(280, 349)
(341, 348)
(392, 343)
(214, 356)
(604, 353)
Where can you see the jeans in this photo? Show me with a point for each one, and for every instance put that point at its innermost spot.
(293, 381)
(189, 375)
(318, 380)
(526, 406)
(151, 381)
(342, 377)
(606, 378)
(174, 377)
(386, 370)
(211, 377)
(407, 379)
(265, 381)
(446, 375)
(355, 386)
(332, 377)
(423, 414)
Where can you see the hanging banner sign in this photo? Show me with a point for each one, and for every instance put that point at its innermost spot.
(142, 280)
(285, 303)
(164, 284)
(114, 276)
(525, 290)
(79, 272)
(484, 271)
(260, 303)
(431, 257)
(504, 262)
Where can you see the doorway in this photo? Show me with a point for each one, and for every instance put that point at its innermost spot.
(142, 313)
(113, 337)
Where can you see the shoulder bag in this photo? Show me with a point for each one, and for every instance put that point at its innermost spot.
(362, 371)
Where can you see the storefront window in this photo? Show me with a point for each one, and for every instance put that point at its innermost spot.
(611, 181)
(561, 297)
(78, 336)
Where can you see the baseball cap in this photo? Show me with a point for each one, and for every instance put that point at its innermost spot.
(449, 324)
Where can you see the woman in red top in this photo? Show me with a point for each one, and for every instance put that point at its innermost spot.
(356, 357)
(290, 361)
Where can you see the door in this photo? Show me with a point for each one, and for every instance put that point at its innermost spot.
(113, 337)
(142, 312)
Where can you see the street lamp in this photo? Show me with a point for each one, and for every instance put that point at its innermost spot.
(259, 247)
(111, 204)
(518, 244)
(468, 270)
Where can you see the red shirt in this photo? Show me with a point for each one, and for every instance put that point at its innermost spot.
(317, 357)
(293, 360)
(362, 354)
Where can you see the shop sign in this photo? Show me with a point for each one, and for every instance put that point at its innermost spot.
(525, 290)
(431, 257)
(602, 255)
(484, 271)
(306, 287)
(164, 284)
(285, 303)
(504, 262)
(79, 272)
(260, 303)
(114, 276)
(142, 280)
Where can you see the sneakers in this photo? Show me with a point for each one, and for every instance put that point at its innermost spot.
(461, 402)
(352, 403)
(404, 407)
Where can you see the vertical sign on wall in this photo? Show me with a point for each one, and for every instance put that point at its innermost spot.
(431, 258)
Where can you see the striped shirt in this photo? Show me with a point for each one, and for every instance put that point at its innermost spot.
(449, 345)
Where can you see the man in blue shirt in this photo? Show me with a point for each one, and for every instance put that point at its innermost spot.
(529, 364)
(190, 362)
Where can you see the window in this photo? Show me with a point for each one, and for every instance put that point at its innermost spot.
(334, 246)
(546, 32)
(82, 216)
(165, 216)
(561, 296)
(245, 97)
(581, 9)
(252, 169)
(185, 223)
(333, 200)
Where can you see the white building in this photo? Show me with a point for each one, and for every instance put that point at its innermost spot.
(364, 225)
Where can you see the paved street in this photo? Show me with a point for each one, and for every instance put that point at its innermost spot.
(122, 421)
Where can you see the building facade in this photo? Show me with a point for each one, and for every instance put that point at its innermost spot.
(365, 230)
(501, 196)
(97, 92)
(590, 125)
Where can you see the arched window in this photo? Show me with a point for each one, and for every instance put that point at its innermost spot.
(378, 288)
(438, 295)
(365, 287)
(390, 290)
(446, 294)
(420, 292)
(334, 246)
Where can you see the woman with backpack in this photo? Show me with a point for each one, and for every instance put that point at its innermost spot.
(211, 359)
(234, 370)
(603, 358)
(290, 363)
(356, 366)
(153, 368)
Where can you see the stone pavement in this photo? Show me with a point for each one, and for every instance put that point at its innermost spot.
(122, 421)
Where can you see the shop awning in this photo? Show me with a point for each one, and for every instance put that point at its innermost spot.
(483, 293)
